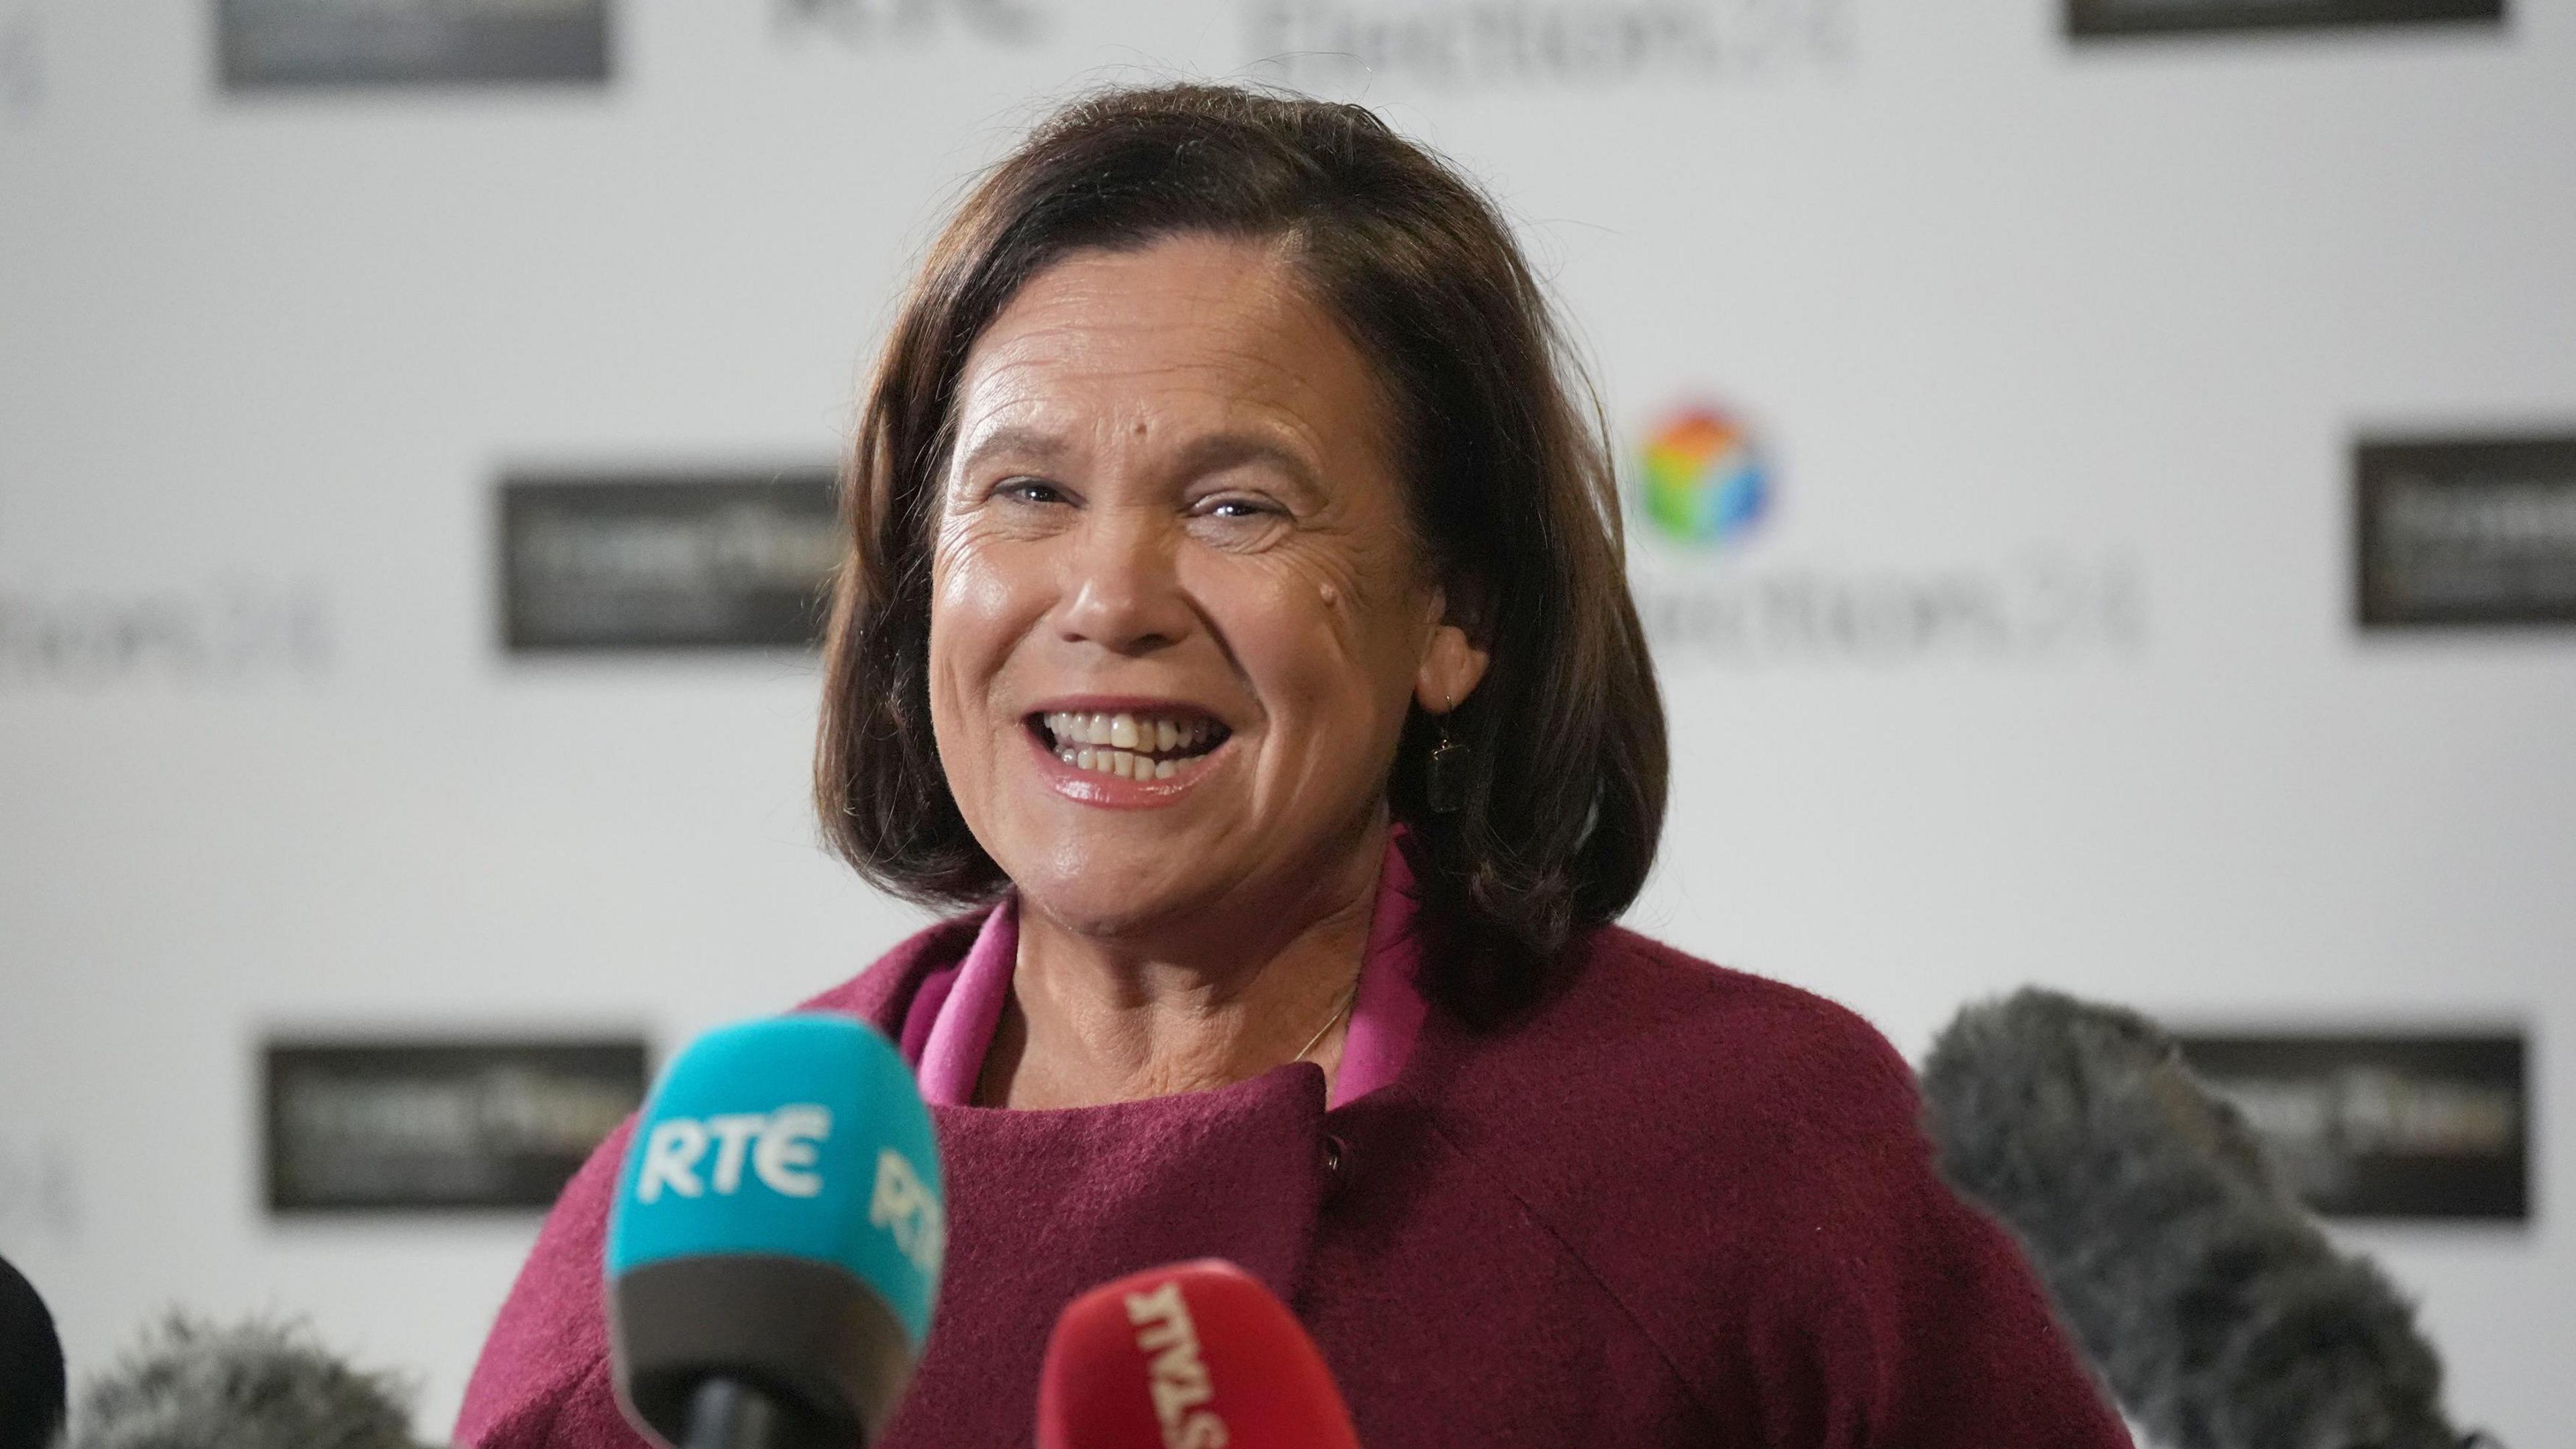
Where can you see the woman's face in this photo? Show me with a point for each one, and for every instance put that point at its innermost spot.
(1177, 614)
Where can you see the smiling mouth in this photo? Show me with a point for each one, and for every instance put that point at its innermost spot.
(1159, 745)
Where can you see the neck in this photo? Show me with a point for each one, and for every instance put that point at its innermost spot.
(1206, 1002)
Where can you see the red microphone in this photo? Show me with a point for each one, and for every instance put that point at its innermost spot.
(1193, 1356)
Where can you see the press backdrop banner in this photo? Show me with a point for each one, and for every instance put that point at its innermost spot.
(416, 509)
(2100, 18)
(2465, 531)
(419, 1125)
(702, 561)
(301, 44)
(2386, 1126)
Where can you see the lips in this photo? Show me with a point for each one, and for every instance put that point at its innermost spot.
(1156, 744)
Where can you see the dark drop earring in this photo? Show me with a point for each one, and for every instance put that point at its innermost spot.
(1444, 783)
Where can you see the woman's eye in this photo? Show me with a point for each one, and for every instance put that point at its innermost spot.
(1030, 490)
(1237, 508)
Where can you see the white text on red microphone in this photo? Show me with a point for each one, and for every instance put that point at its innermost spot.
(1180, 1383)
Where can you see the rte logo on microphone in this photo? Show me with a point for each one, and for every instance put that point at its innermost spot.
(781, 1149)
(779, 1144)
(907, 1209)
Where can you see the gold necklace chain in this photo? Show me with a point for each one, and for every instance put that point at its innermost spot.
(1349, 999)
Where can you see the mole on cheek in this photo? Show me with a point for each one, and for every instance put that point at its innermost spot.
(1328, 594)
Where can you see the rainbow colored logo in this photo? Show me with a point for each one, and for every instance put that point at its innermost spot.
(1705, 481)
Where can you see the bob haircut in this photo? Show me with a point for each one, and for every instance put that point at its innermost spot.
(1512, 502)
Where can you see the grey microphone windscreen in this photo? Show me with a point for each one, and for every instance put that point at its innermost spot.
(2210, 1300)
(259, 1385)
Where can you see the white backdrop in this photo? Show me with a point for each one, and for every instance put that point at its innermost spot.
(1991, 302)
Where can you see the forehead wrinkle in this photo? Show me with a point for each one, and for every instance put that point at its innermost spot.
(1009, 379)
(1082, 338)
(1060, 315)
(1027, 362)
(1215, 425)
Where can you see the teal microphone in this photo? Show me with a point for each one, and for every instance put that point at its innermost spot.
(774, 1250)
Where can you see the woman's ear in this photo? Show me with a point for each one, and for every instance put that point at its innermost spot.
(1451, 669)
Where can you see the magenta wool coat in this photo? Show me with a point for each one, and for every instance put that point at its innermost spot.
(1676, 1205)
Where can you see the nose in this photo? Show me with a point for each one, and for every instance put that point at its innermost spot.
(1122, 592)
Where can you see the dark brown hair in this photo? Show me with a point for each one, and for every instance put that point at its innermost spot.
(1511, 496)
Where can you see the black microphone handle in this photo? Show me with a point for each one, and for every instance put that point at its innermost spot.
(726, 1413)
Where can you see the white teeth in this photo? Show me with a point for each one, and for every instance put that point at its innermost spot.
(1125, 744)
(1127, 764)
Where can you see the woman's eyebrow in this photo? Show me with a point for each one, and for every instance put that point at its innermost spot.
(1212, 453)
(1017, 442)
(1219, 451)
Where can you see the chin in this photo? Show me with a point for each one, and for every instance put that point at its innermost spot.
(1120, 901)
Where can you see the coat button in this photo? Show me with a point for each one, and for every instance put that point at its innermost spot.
(1333, 1153)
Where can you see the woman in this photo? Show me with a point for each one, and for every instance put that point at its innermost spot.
(1235, 619)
